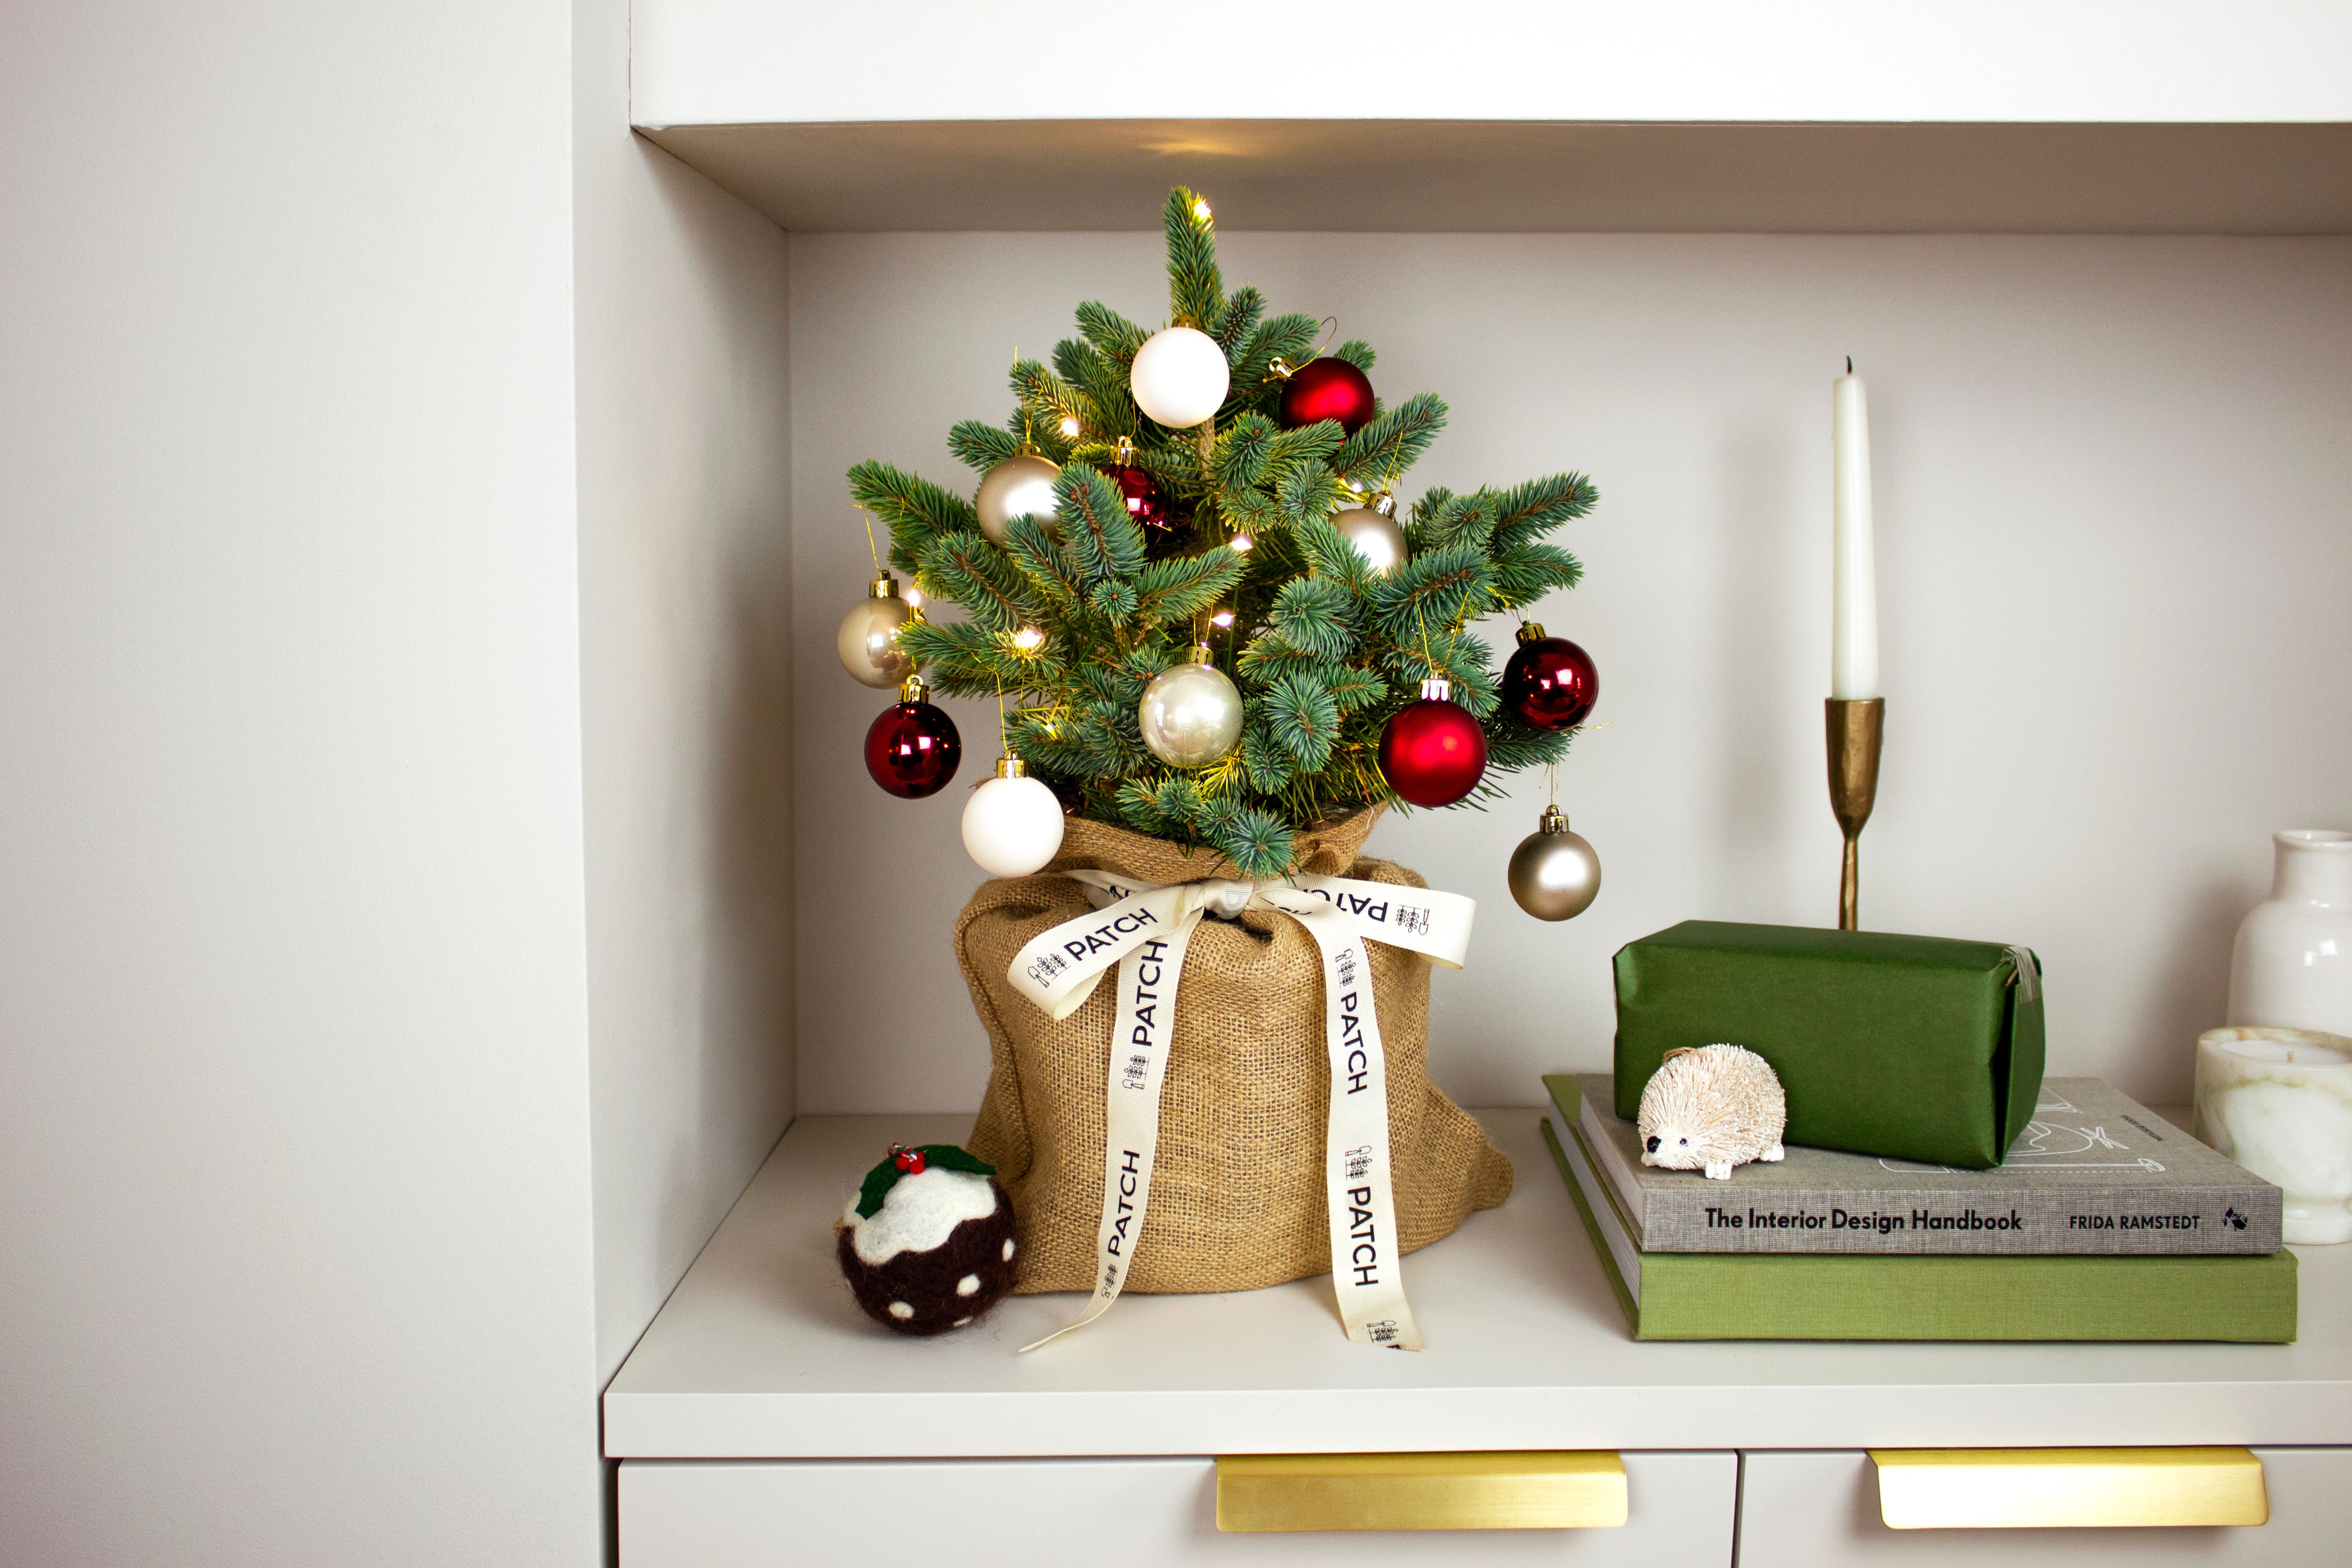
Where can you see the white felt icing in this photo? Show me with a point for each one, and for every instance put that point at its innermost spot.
(1008, 1250)
(900, 1310)
(918, 1213)
(968, 1286)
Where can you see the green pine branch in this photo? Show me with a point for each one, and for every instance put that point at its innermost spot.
(1196, 289)
(1072, 614)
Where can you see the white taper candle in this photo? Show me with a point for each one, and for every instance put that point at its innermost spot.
(1853, 616)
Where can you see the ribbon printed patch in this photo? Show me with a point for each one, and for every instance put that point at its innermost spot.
(1145, 931)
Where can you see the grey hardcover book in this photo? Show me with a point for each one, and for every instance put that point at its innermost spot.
(2095, 1172)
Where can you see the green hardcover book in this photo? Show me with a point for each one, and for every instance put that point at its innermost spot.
(1845, 1296)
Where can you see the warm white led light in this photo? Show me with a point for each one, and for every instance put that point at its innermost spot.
(1028, 639)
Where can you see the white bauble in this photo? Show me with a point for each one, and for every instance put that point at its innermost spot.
(1191, 715)
(1012, 823)
(1021, 485)
(1373, 530)
(1180, 377)
(868, 640)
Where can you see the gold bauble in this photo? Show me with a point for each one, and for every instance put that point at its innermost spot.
(869, 642)
(1191, 715)
(1555, 875)
(1021, 485)
(1373, 530)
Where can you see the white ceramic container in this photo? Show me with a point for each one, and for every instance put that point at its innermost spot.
(2292, 966)
(2279, 1102)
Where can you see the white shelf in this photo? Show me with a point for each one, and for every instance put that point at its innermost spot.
(761, 1354)
(1536, 176)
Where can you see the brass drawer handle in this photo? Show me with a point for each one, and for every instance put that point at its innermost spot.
(1421, 1492)
(2043, 1488)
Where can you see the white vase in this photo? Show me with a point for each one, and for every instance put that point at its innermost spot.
(2292, 966)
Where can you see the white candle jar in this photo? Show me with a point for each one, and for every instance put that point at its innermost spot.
(2279, 1102)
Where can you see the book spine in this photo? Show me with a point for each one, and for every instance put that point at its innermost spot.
(2244, 1300)
(1927, 1297)
(2089, 1222)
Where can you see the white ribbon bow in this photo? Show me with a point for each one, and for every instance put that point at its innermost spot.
(1145, 931)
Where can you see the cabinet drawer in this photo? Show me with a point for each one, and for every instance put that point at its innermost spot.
(1823, 1510)
(1044, 1513)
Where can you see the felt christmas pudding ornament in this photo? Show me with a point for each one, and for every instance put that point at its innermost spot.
(927, 1244)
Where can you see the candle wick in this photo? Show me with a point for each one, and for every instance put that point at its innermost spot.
(1849, 365)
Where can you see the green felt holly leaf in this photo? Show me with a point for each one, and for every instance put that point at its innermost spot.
(936, 1156)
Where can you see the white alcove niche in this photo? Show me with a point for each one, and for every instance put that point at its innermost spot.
(2103, 298)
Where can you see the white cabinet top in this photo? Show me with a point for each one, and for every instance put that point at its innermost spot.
(755, 61)
(761, 1353)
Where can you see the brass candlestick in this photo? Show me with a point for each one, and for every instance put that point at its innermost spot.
(1855, 728)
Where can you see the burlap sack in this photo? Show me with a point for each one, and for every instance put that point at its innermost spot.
(1237, 1198)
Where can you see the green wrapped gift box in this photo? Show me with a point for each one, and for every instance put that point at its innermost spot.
(1915, 1047)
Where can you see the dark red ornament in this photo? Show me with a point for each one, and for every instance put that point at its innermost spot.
(1144, 501)
(912, 749)
(1327, 388)
(1550, 683)
(1433, 752)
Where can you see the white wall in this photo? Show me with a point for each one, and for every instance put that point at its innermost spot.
(742, 61)
(2113, 564)
(294, 1110)
(684, 581)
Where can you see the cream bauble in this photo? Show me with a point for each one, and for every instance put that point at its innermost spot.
(1180, 377)
(1021, 485)
(1373, 530)
(1191, 715)
(1555, 875)
(1012, 823)
(868, 642)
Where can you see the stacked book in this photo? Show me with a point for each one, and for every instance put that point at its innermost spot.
(2105, 1223)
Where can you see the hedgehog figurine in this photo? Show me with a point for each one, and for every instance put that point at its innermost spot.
(926, 1244)
(1710, 1110)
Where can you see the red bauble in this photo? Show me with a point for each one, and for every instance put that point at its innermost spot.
(912, 750)
(1326, 389)
(1433, 752)
(1550, 683)
(1144, 501)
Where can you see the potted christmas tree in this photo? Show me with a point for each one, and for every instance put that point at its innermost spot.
(1224, 646)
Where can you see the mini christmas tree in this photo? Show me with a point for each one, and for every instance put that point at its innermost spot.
(1161, 540)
